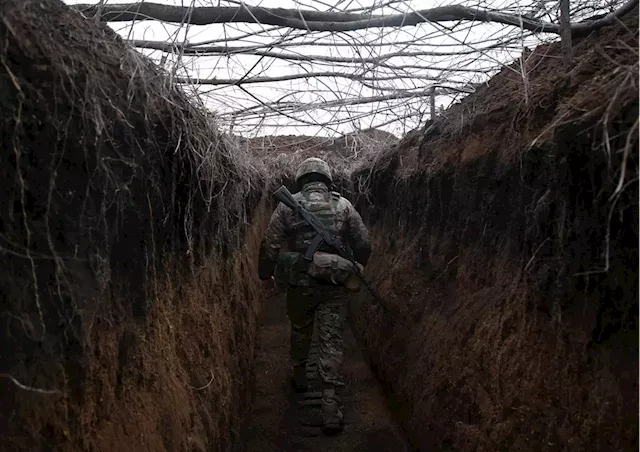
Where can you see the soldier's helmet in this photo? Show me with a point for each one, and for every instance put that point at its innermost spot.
(314, 165)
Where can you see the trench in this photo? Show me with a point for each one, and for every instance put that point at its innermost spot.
(282, 420)
(505, 238)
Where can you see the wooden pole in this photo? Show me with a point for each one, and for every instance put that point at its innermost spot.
(565, 33)
(432, 99)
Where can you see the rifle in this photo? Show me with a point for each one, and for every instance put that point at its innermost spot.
(322, 235)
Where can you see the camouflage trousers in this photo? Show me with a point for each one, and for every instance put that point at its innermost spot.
(326, 305)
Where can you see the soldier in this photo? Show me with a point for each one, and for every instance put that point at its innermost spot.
(309, 299)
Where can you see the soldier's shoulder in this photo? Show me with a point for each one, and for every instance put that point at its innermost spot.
(343, 203)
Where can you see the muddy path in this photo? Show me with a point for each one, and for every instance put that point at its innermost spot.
(284, 421)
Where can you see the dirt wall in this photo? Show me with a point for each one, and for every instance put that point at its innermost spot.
(506, 237)
(283, 154)
(125, 216)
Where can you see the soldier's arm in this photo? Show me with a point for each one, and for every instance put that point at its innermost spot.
(272, 242)
(358, 235)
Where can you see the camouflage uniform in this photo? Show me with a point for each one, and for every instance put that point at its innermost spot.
(308, 299)
(327, 305)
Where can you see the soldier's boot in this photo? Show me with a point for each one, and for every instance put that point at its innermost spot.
(299, 379)
(332, 417)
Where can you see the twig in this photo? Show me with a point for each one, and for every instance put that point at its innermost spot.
(432, 103)
(100, 8)
(25, 222)
(446, 268)
(623, 166)
(607, 237)
(535, 253)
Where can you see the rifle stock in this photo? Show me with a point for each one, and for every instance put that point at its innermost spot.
(284, 196)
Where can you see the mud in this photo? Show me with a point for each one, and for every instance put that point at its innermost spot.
(284, 421)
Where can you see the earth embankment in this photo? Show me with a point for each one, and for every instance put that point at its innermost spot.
(124, 235)
(506, 235)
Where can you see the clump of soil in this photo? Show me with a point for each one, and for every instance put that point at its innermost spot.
(124, 217)
(506, 235)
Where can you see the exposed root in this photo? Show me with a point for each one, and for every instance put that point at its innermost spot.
(29, 388)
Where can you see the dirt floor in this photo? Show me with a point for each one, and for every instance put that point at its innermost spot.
(284, 421)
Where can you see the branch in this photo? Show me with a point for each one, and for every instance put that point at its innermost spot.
(283, 78)
(342, 102)
(203, 51)
(192, 49)
(565, 25)
(332, 21)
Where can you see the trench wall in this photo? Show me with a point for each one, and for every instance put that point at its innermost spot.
(506, 240)
(125, 231)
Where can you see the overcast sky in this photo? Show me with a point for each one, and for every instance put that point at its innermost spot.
(315, 106)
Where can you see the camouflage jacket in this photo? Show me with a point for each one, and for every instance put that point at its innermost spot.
(285, 228)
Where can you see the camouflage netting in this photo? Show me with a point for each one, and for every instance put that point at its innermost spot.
(120, 202)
